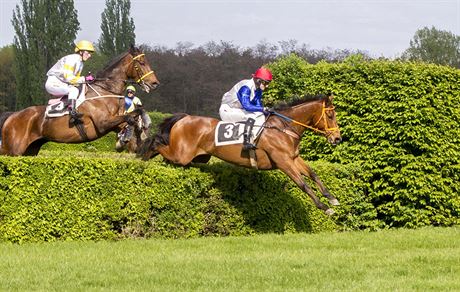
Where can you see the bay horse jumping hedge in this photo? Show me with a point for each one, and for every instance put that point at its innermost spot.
(400, 125)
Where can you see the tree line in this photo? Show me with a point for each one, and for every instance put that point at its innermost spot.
(193, 78)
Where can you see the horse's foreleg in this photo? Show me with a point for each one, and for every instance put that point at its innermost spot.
(306, 170)
(149, 154)
(294, 173)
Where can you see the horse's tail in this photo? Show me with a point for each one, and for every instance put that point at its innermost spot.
(161, 137)
(3, 117)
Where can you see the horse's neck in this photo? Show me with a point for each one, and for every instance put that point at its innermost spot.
(108, 104)
(307, 113)
(105, 88)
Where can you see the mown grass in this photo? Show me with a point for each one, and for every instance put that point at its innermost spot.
(392, 260)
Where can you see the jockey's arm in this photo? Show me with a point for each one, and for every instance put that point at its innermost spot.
(69, 75)
(244, 95)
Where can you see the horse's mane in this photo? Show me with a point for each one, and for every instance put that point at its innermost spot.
(296, 100)
(114, 62)
(109, 67)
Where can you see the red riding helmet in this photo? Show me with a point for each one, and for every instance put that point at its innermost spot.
(263, 73)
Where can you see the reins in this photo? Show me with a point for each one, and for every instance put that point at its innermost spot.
(327, 131)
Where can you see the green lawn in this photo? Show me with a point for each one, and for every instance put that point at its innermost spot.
(409, 260)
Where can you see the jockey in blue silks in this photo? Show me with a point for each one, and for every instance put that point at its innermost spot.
(244, 103)
(132, 102)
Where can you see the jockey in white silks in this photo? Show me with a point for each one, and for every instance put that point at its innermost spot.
(64, 76)
(244, 103)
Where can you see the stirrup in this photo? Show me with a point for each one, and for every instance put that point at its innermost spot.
(249, 146)
(75, 118)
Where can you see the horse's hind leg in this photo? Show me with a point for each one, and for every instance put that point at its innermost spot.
(290, 168)
(306, 170)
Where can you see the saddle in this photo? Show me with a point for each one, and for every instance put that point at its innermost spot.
(58, 107)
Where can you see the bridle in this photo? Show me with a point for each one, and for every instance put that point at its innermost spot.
(327, 130)
(136, 63)
(140, 74)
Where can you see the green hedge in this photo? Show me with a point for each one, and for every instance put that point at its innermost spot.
(103, 144)
(398, 166)
(400, 123)
(48, 198)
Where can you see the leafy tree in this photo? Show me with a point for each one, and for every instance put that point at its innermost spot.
(117, 28)
(45, 31)
(434, 46)
(7, 82)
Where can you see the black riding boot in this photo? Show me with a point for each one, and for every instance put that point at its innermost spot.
(247, 145)
(74, 115)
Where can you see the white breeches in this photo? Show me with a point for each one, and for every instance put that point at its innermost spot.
(56, 87)
(229, 114)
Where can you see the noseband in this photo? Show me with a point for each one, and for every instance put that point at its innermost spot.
(327, 131)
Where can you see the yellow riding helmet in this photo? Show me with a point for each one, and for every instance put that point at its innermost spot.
(132, 88)
(84, 46)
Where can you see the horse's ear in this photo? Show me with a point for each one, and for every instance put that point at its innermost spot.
(330, 98)
(132, 49)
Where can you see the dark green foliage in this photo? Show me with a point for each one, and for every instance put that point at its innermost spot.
(47, 199)
(45, 31)
(7, 82)
(434, 46)
(117, 28)
(400, 123)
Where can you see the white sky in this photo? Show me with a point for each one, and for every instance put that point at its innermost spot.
(380, 27)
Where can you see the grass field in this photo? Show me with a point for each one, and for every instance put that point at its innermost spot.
(403, 260)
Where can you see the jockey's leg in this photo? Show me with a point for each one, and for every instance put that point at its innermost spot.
(247, 145)
(253, 119)
(146, 121)
(128, 133)
(73, 95)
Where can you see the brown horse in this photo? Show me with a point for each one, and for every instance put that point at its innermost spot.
(140, 134)
(182, 139)
(25, 131)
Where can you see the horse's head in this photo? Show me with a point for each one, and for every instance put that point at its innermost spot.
(316, 113)
(327, 123)
(140, 71)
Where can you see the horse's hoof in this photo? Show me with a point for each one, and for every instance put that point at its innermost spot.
(334, 202)
(329, 212)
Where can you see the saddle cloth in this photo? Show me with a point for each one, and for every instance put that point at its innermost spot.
(57, 107)
(228, 133)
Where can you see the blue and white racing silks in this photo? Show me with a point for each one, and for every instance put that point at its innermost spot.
(244, 95)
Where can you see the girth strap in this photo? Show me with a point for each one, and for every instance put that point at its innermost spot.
(81, 130)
